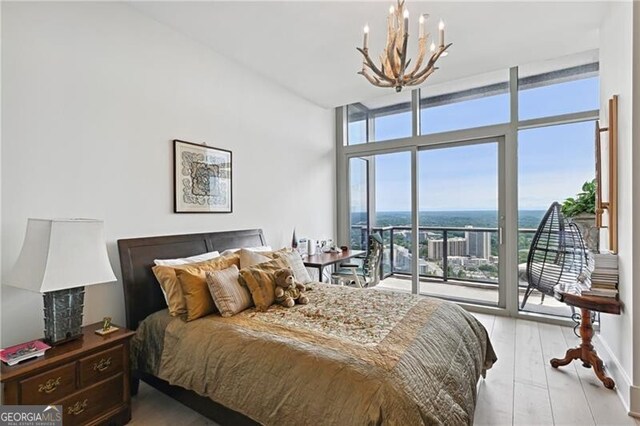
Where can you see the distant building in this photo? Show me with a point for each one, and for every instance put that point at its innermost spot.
(477, 261)
(456, 246)
(401, 258)
(478, 244)
(458, 260)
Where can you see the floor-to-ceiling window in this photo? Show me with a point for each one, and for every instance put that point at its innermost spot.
(554, 159)
(358, 202)
(443, 164)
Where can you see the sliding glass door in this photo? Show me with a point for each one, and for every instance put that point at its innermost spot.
(461, 221)
(460, 218)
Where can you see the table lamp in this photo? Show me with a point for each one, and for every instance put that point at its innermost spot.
(59, 257)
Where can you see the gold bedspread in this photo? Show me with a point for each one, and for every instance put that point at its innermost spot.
(349, 357)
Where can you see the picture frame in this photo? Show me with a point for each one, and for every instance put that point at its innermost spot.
(202, 178)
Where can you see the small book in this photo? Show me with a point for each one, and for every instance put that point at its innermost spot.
(23, 351)
(601, 293)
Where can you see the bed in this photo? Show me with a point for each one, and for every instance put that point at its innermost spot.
(350, 356)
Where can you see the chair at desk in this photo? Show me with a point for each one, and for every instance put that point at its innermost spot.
(369, 274)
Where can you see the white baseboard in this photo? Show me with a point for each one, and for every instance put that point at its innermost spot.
(624, 389)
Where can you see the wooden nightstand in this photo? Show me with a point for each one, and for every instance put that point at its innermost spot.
(89, 377)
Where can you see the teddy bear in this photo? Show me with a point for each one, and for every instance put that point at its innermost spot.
(288, 290)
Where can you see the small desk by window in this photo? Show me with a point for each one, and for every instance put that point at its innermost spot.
(321, 260)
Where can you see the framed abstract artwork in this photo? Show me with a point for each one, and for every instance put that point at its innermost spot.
(202, 176)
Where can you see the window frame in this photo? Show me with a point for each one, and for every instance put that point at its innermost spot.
(508, 131)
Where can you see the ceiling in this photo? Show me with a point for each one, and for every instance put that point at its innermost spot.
(308, 47)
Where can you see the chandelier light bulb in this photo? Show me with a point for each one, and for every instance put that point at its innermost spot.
(365, 42)
(406, 22)
(421, 19)
(391, 10)
(432, 47)
(441, 25)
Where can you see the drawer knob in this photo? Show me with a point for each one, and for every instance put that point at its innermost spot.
(78, 407)
(50, 385)
(102, 365)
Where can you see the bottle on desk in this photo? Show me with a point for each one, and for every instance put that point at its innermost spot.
(311, 247)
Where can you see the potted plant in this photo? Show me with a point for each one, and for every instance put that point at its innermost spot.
(581, 210)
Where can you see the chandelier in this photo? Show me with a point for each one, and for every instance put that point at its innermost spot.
(394, 68)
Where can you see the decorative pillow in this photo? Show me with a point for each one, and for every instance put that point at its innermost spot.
(166, 276)
(228, 295)
(256, 249)
(187, 260)
(260, 280)
(196, 295)
(250, 258)
(300, 272)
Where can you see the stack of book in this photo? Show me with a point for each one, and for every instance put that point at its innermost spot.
(604, 278)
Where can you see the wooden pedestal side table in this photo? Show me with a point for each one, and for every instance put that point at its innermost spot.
(585, 352)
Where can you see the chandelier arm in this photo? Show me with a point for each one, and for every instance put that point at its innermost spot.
(374, 80)
(432, 60)
(391, 56)
(403, 55)
(422, 44)
(373, 66)
(385, 66)
(406, 66)
(423, 78)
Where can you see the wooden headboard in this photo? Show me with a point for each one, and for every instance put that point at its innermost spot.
(142, 294)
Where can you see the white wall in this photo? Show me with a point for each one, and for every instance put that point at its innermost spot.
(635, 389)
(93, 94)
(616, 77)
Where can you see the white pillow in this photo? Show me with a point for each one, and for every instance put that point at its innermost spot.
(250, 258)
(255, 249)
(187, 260)
(297, 265)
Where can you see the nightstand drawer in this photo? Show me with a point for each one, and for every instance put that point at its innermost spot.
(96, 400)
(50, 386)
(99, 366)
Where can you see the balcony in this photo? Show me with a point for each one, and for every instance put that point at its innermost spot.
(456, 263)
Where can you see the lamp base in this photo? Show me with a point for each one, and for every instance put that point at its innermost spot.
(63, 315)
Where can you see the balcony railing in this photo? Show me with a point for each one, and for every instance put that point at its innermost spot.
(437, 243)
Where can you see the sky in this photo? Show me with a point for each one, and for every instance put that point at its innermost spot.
(553, 162)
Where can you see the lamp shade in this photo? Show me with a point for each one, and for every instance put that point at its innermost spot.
(59, 254)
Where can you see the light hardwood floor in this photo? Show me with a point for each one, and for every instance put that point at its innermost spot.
(521, 389)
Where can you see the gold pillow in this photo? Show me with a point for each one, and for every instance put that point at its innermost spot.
(261, 282)
(166, 276)
(197, 299)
